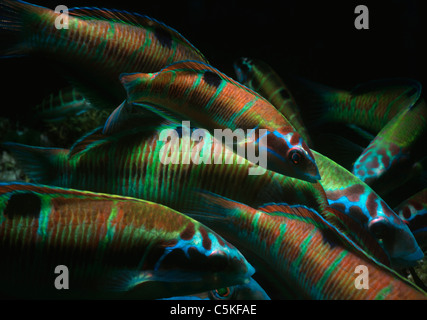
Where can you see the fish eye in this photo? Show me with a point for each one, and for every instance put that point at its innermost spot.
(295, 156)
(222, 293)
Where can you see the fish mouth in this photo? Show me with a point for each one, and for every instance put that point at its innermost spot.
(313, 178)
(408, 260)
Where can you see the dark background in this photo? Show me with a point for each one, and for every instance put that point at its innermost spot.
(313, 39)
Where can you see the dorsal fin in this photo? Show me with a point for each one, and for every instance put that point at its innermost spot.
(197, 66)
(140, 127)
(128, 116)
(89, 140)
(130, 18)
(411, 87)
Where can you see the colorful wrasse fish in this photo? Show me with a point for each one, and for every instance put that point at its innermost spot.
(112, 246)
(58, 107)
(370, 105)
(307, 255)
(247, 291)
(261, 78)
(397, 147)
(95, 48)
(346, 193)
(134, 162)
(197, 92)
(414, 212)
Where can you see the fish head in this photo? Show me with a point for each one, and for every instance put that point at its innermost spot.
(379, 158)
(203, 261)
(288, 154)
(243, 69)
(247, 291)
(397, 240)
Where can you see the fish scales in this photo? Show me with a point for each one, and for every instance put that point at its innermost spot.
(397, 146)
(371, 105)
(315, 268)
(100, 237)
(214, 101)
(348, 194)
(261, 78)
(344, 191)
(102, 42)
(110, 163)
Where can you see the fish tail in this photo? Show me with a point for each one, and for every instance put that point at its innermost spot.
(42, 165)
(213, 208)
(14, 18)
(314, 100)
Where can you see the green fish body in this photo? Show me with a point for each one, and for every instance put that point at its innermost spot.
(58, 107)
(399, 145)
(262, 78)
(348, 194)
(112, 247)
(307, 257)
(96, 46)
(196, 92)
(369, 106)
(133, 163)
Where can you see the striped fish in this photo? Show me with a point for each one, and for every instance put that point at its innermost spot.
(131, 163)
(413, 211)
(262, 78)
(98, 45)
(197, 92)
(346, 193)
(307, 259)
(112, 246)
(59, 106)
(369, 105)
(397, 147)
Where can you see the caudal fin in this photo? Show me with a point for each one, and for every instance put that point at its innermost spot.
(15, 22)
(42, 165)
(314, 100)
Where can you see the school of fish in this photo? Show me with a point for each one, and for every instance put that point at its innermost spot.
(337, 211)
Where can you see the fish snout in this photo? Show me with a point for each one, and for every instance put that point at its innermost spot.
(397, 241)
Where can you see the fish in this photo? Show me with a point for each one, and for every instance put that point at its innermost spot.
(369, 105)
(197, 92)
(309, 257)
(248, 291)
(128, 158)
(413, 212)
(350, 195)
(262, 78)
(395, 149)
(112, 246)
(96, 47)
(61, 105)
